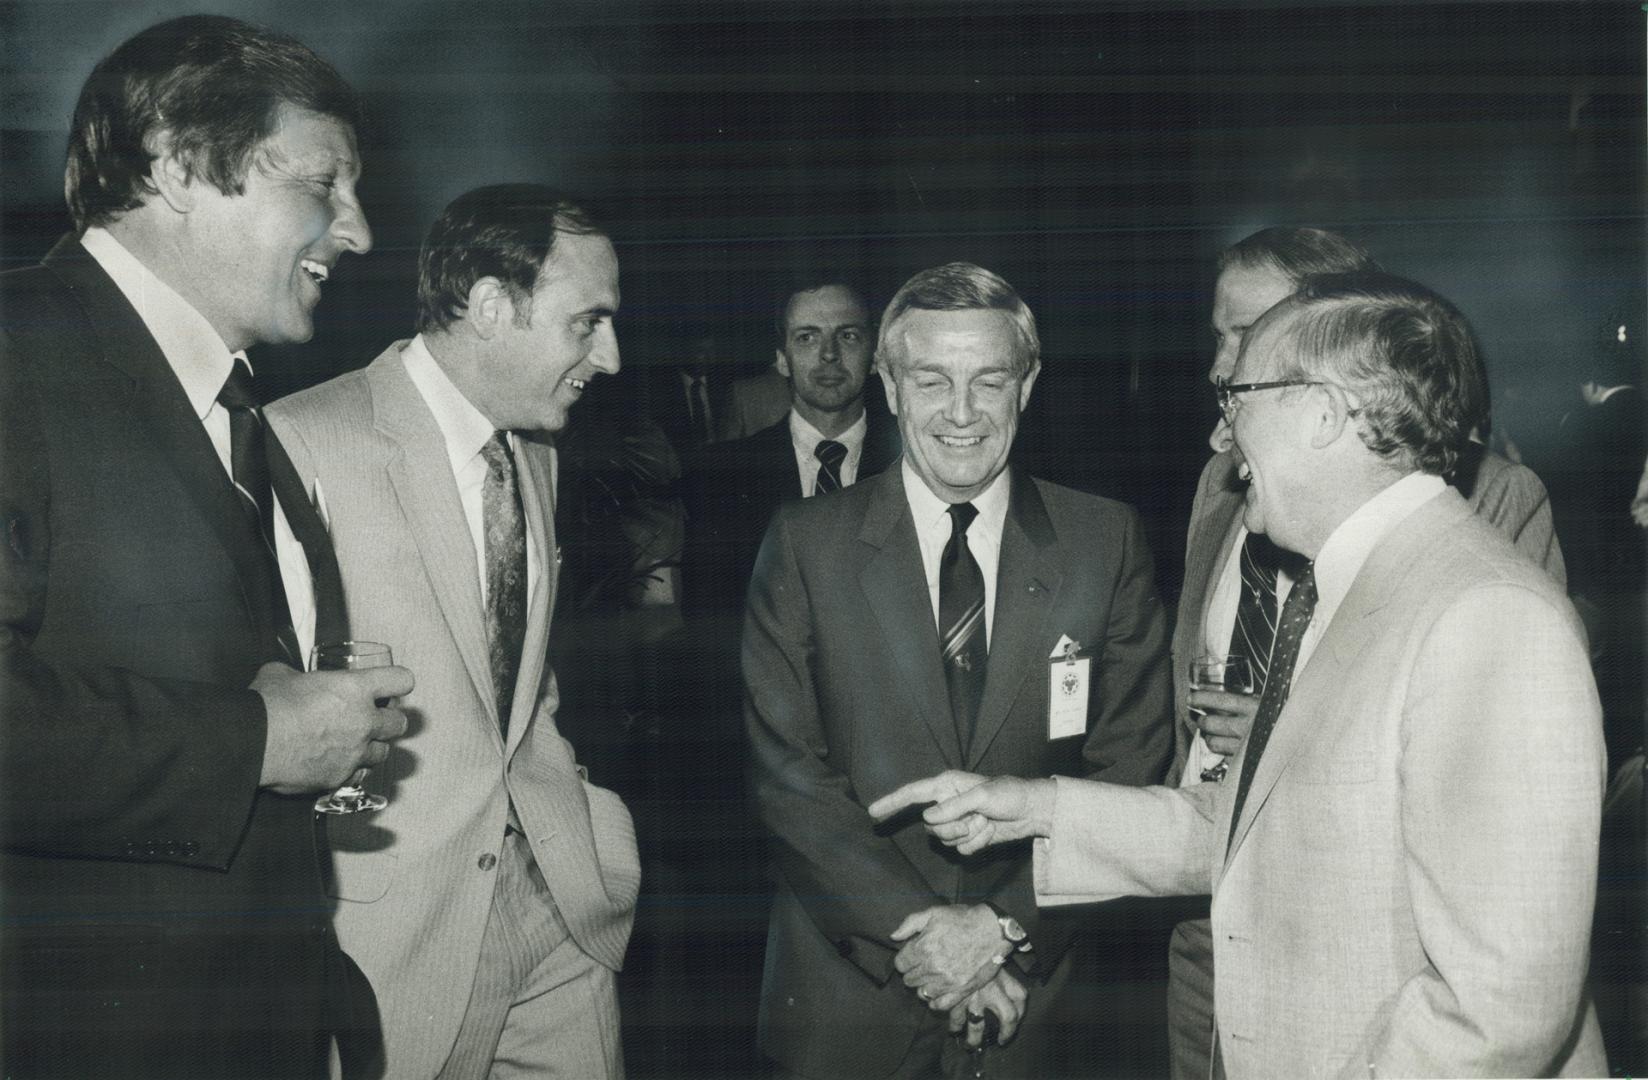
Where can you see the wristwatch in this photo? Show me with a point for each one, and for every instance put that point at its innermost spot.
(1013, 932)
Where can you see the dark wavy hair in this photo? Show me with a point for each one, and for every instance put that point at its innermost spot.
(799, 283)
(505, 231)
(1404, 353)
(213, 84)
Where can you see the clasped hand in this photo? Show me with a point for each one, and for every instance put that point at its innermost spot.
(1222, 717)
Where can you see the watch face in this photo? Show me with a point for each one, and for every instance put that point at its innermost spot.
(1011, 930)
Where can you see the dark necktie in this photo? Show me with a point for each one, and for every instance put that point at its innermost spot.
(961, 615)
(1254, 635)
(1296, 613)
(505, 527)
(249, 467)
(830, 455)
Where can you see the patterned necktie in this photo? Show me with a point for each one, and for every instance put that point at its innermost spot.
(1296, 613)
(505, 528)
(1254, 635)
(961, 614)
(249, 468)
(830, 455)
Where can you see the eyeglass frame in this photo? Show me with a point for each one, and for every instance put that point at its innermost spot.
(1225, 392)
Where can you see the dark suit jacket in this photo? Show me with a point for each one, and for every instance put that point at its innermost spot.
(665, 400)
(732, 491)
(846, 701)
(163, 915)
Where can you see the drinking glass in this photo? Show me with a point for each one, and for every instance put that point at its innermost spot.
(351, 798)
(1230, 673)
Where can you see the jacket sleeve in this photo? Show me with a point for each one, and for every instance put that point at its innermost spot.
(1501, 775)
(855, 883)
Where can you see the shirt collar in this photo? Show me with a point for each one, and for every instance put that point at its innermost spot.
(806, 437)
(464, 427)
(1348, 546)
(195, 351)
(927, 508)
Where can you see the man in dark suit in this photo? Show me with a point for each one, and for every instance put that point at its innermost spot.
(163, 905)
(825, 441)
(949, 610)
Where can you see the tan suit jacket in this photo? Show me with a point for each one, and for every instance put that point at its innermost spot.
(1506, 495)
(1410, 886)
(415, 880)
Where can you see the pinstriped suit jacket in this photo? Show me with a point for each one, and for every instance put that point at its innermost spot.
(414, 881)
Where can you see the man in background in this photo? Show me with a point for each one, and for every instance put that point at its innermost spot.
(163, 905)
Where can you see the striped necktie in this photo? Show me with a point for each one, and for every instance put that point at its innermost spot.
(830, 455)
(1254, 635)
(249, 468)
(1296, 613)
(961, 615)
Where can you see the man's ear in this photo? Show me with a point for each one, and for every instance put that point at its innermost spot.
(170, 175)
(1028, 382)
(1331, 418)
(781, 362)
(889, 382)
(489, 308)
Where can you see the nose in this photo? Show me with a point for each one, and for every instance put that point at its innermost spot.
(1224, 359)
(1221, 439)
(961, 411)
(604, 356)
(830, 351)
(350, 226)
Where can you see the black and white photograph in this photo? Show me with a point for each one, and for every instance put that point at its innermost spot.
(833, 540)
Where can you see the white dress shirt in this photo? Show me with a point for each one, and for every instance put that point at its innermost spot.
(932, 520)
(466, 431)
(805, 438)
(1336, 567)
(202, 362)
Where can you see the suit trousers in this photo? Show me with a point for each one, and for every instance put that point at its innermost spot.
(540, 1006)
(1190, 998)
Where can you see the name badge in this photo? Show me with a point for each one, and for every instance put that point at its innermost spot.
(1068, 674)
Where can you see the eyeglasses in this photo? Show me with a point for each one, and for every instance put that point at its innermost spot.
(1225, 392)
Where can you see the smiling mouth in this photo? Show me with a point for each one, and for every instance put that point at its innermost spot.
(576, 384)
(318, 272)
(1244, 471)
(959, 442)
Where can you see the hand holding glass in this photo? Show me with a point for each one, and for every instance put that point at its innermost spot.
(350, 656)
(1232, 674)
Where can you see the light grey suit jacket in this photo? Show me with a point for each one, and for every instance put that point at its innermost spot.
(415, 880)
(1410, 886)
(1506, 495)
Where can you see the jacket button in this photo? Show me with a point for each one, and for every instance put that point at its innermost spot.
(487, 861)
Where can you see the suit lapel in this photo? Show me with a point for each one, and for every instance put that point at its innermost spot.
(1212, 537)
(895, 587)
(1309, 714)
(421, 476)
(1028, 577)
(163, 409)
(538, 500)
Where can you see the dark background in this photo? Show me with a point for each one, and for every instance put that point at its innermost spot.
(1096, 155)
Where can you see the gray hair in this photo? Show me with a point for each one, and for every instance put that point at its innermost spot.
(958, 286)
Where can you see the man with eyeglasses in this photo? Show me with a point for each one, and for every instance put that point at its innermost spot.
(1236, 582)
(1403, 856)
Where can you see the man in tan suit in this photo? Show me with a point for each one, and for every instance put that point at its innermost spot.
(1224, 563)
(1403, 856)
(490, 903)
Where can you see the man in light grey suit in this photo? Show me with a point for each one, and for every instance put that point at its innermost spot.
(1403, 856)
(490, 903)
(1254, 275)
